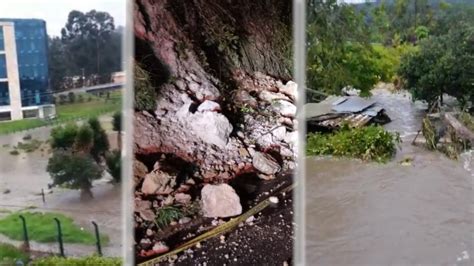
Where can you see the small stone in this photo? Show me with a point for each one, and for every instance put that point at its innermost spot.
(182, 198)
(184, 220)
(209, 106)
(273, 200)
(190, 181)
(149, 232)
(240, 134)
(265, 163)
(250, 219)
(160, 247)
(198, 245)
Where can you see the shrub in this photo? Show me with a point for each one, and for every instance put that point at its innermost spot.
(72, 97)
(113, 162)
(166, 215)
(63, 137)
(80, 98)
(367, 143)
(62, 99)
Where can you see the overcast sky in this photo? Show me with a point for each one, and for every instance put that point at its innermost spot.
(55, 12)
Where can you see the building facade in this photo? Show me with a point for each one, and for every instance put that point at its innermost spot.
(24, 77)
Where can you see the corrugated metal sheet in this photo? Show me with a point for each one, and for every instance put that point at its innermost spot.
(335, 111)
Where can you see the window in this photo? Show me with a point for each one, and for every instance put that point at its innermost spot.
(3, 66)
(4, 94)
(2, 46)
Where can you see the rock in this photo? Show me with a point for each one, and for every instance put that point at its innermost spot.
(158, 182)
(244, 97)
(290, 89)
(183, 198)
(273, 200)
(147, 215)
(279, 133)
(285, 108)
(160, 248)
(285, 152)
(265, 177)
(184, 220)
(139, 171)
(6, 191)
(250, 219)
(272, 96)
(149, 232)
(212, 128)
(220, 201)
(209, 106)
(265, 163)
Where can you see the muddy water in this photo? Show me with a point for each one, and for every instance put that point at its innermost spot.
(25, 175)
(389, 214)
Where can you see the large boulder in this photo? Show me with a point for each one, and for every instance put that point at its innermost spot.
(220, 201)
(265, 163)
(212, 128)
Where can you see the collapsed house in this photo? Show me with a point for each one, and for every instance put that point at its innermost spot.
(335, 111)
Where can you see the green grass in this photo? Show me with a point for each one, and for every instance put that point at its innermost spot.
(86, 261)
(9, 254)
(42, 228)
(68, 112)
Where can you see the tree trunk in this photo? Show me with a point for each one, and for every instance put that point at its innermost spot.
(86, 192)
(219, 68)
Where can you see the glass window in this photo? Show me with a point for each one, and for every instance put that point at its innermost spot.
(2, 46)
(3, 66)
(4, 95)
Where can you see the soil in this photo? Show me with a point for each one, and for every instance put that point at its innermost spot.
(271, 232)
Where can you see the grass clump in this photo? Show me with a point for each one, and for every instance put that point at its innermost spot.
(85, 261)
(29, 146)
(370, 143)
(9, 255)
(145, 93)
(166, 215)
(15, 152)
(42, 228)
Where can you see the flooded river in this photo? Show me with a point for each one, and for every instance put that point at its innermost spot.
(391, 214)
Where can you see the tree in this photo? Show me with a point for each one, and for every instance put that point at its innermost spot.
(59, 66)
(443, 64)
(113, 161)
(92, 43)
(63, 137)
(100, 142)
(117, 127)
(74, 170)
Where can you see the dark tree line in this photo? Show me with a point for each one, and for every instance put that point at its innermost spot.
(90, 45)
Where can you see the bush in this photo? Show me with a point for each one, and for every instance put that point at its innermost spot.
(63, 137)
(113, 162)
(62, 99)
(80, 98)
(367, 143)
(72, 97)
(92, 260)
(9, 254)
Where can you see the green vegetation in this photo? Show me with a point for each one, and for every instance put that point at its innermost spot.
(145, 93)
(166, 215)
(370, 143)
(42, 228)
(86, 261)
(29, 146)
(9, 254)
(442, 65)
(113, 161)
(77, 155)
(66, 113)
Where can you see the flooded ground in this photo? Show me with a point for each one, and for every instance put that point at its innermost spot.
(391, 214)
(25, 175)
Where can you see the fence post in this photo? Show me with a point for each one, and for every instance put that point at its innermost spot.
(60, 237)
(42, 194)
(25, 233)
(97, 236)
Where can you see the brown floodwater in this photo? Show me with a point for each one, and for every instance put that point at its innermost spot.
(24, 175)
(362, 213)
